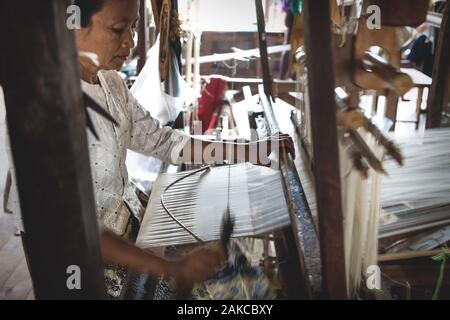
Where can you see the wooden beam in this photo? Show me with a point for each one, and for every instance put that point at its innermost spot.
(289, 98)
(406, 255)
(391, 107)
(47, 126)
(325, 153)
(297, 246)
(240, 54)
(156, 8)
(143, 36)
(282, 86)
(437, 99)
(267, 79)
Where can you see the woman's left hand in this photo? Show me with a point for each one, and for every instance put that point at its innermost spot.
(278, 142)
(285, 142)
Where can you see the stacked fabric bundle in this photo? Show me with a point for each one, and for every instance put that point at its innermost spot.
(417, 196)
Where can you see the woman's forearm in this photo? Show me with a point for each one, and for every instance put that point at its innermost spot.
(117, 250)
(201, 151)
(197, 266)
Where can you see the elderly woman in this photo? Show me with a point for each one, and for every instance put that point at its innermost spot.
(107, 29)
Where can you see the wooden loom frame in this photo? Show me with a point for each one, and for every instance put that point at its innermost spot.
(46, 121)
(323, 268)
(76, 209)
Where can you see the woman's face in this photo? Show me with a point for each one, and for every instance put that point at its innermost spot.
(110, 34)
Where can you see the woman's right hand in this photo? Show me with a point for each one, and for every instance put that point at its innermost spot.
(199, 265)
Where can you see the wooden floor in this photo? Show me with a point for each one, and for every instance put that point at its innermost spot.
(15, 282)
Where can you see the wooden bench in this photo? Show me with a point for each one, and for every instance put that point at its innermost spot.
(421, 81)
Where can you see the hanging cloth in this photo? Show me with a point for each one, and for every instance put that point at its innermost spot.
(210, 100)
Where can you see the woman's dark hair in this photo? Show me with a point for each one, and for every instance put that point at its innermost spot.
(88, 8)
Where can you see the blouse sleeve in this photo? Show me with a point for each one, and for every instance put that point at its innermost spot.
(148, 137)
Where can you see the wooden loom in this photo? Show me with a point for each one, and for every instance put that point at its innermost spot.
(438, 215)
(296, 239)
(197, 199)
(72, 214)
(307, 272)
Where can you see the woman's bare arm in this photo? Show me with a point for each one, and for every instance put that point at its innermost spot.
(197, 266)
(200, 151)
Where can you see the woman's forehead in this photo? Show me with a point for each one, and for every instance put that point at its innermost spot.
(120, 10)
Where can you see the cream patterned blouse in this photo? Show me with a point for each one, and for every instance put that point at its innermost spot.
(137, 131)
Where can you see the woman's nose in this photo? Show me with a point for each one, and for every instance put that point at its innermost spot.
(129, 40)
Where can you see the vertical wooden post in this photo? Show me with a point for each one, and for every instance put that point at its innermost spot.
(262, 35)
(143, 38)
(297, 246)
(188, 57)
(391, 107)
(156, 8)
(197, 46)
(46, 122)
(441, 85)
(324, 134)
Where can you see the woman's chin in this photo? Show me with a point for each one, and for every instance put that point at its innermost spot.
(115, 66)
(119, 62)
